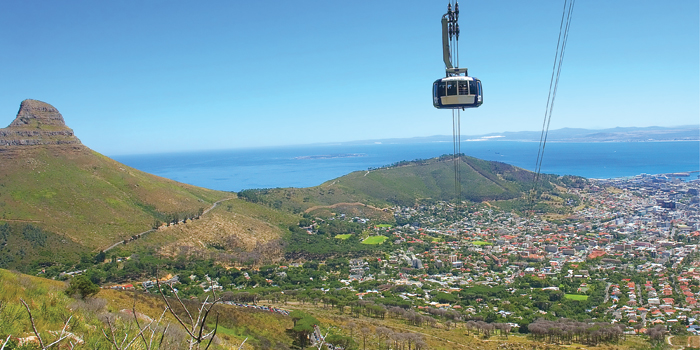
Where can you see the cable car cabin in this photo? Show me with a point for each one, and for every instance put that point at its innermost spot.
(457, 92)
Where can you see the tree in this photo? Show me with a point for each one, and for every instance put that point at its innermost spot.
(365, 332)
(303, 325)
(82, 287)
(340, 341)
(100, 257)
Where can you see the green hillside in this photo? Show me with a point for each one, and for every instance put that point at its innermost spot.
(406, 182)
(49, 180)
(88, 197)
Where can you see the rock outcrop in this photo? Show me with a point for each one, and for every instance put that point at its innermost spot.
(37, 123)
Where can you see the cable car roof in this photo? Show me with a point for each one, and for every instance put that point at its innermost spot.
(459, 78)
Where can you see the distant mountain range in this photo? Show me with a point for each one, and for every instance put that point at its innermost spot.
(619, 134)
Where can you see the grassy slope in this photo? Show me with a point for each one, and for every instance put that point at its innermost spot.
(51, 307)
(23, 244)
(86, 196)
(434, 178)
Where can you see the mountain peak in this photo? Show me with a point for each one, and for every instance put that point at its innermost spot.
(38, 114)
(37, 123)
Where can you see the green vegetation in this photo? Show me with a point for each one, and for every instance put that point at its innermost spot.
(324, 245)
(344, 237)
(374, 240)
(90, 199)
(576, 297)
(303, 326)
(405, 182)
(480, 243)
(82, 287)
(26, 247)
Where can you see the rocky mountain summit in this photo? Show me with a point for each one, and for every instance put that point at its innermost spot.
(37, 123)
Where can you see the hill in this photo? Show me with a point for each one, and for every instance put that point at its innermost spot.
(59, 198)
(406, 182)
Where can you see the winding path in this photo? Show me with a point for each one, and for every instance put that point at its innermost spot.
(151, 230)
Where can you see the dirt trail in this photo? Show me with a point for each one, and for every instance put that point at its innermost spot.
(151, 230)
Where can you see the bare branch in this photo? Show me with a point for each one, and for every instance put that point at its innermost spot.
(63, 334)
(323, 340)
(126, 336)
(173, 311)
(162, 336)
(5, 343)
(133, 310)
(183, 305)
(31, 318)
(216, 326)
(113, 339)
(201, 321)
(153, 331)
(136, 337)
(241, 346)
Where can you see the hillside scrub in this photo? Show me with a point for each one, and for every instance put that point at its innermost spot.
(95, 323)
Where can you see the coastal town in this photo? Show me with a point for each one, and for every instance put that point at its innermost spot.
(626, 253)
(631, 245)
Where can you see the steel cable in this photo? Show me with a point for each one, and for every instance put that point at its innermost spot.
(553, 86)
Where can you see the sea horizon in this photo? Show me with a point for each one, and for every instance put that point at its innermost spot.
(311, 165)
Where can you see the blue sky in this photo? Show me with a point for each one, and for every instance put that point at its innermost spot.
(164, 76)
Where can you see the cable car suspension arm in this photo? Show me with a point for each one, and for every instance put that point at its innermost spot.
(450, 37)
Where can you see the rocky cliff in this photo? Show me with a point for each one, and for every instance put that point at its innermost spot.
(37, 123)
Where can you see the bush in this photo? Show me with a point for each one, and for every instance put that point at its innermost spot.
(82, 287)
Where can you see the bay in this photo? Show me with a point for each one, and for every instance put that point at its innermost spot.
(311, 165)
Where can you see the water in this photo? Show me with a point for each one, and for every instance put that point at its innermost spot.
(305, 166)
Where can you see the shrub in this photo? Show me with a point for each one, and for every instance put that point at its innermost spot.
(82, 287)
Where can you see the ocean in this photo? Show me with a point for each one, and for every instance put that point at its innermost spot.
(311, 165)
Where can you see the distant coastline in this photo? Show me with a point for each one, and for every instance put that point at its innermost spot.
(570, 135)
(332, 156)
(573, 141)
(311, 165)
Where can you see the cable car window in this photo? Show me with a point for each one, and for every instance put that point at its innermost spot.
(451, 88)
(472, 88)
(441, 89)
(463, 88)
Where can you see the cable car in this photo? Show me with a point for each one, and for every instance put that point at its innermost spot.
(457, 92)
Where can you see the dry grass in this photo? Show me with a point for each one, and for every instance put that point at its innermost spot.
(442, 338)
(694, 341)
(219, 227)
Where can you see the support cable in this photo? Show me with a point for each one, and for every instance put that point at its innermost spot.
(459, 157)
(454, 150)
(553, 85)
